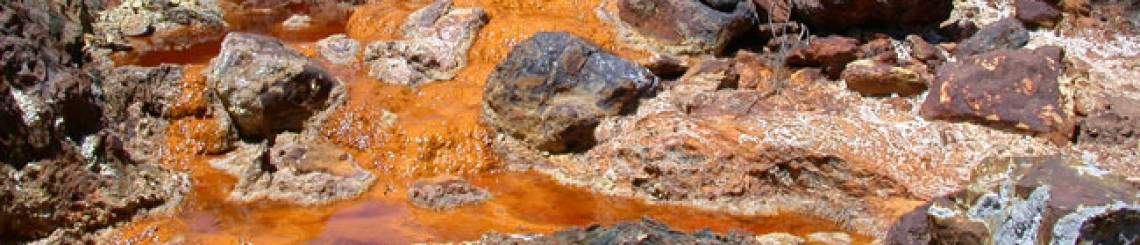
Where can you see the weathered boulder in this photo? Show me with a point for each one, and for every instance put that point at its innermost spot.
(339, 49)
(644, 231)
(1031, 200)
(1010, 89)
(840, 15)
(295, 169)
(163, 24)
(878, 78)
(268, 87)
(1004, 34)
(437, 38)
(1037, 13)
(830, 53)
(553, 89)
(445, 192)
(684, 26)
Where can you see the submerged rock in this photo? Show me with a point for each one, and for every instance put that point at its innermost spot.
(1035, 200)
(553, 89)
(445, 192)
(1012, 89)
(437, 38)
(165, 24)
(684, 26)
(268, 87)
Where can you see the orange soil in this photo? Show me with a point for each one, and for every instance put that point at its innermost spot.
(438, 132)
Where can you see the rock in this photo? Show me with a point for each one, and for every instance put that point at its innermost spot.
(1010, 89)
(167, 24)
(1035, 200)
(297, 22)
(339, 49)
(838, 16)
(268, 87)
(779, 239)
(437, 38)
(924, 51)
(709, 75)
(445, 192)
(1003, 34)
(880, 49)
(64, 174)
(755, 72)
(667, 66)
(295, 170)
(1037, 13)
(684, 26)
(831, 53)
(645, 231)
(829, 238)
(1118, 124)
(870, 77)
(961, 29)
(553, 89)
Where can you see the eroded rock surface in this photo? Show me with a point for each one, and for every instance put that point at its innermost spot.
(162, 24)
(553, 89)
(295, 170)
(645, 231)
(1015, 89)
(435, 44)
(268, 87)
(445, 192)
(683, 26)
(1051, 199)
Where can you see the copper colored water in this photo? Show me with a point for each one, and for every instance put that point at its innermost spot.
(438, 132)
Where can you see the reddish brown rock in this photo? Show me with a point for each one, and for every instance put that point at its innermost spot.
(839, 15)
(687, 26)
(1012, 89)
(1037, 13)
(924, 51)
(773, 11)
(958, 30)
(830, 53)
(667, 66)
(870, 77)
(881, 50)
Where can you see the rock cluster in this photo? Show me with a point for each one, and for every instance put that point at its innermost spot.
(165, 24)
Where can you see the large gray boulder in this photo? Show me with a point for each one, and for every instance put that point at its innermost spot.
(553, 89)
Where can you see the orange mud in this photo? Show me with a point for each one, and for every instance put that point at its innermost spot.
(437, 132)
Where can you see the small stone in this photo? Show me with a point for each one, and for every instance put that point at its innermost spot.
(830, 53)
(1037, 13)
(339, 49)
(667, 66)
(877, 78)
(1003, 34)
(829, 238)
(445, 192)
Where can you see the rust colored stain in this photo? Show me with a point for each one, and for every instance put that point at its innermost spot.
(437, 131)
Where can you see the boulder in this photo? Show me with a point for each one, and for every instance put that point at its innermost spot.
(684, 26)
(553, 89)
(339, 49)
(295, 169)
(841, 15)
(870, 77)
(268, 87)
(158, 25)
(437, 38)
(445, 192)
(830, 53)
(1010, 89)
(1037, 13)
(1004, 34)
(1034, 200)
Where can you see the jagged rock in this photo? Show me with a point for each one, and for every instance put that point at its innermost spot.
(553, 89)
(840, 15)
(1037, 13)
(437, 38)
(683, 26)
(779, 239)
(877, 78)
(1033, 200)
(295, 170)
(1004, 34)
(63, 174)
(1011, 89)
(830, 53)
(166, 24)
(268, 87)
(645, 231)
(445, 192)
(339, 49)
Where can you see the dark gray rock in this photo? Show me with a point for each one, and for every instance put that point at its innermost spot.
(553, 89)
(266, 86)
(1004, 34)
